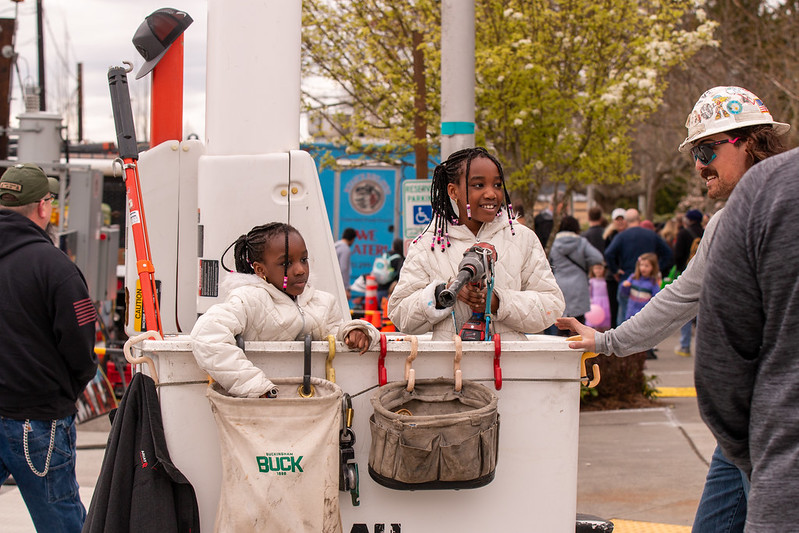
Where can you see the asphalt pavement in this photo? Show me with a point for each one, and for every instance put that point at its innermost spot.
(643, 469)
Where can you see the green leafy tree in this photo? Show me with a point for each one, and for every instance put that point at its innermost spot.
(378, 54)
(559, 83)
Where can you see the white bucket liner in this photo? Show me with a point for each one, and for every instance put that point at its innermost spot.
(280, 459)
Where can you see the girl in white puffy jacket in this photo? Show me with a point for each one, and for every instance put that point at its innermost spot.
(467, 194)
(268, 299)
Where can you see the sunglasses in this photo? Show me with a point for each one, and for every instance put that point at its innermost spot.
(706, 152)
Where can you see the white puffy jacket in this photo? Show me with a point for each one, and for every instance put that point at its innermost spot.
(259, 311)
(529, 298)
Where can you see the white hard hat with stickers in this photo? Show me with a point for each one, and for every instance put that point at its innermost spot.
(722, 109)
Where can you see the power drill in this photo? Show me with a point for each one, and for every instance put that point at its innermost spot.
(476, 265)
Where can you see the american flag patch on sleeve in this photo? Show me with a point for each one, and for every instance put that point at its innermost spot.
(84, 311)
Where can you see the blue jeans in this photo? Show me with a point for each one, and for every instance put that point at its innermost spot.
(622, 299)
(53, 500)
(722, 508)
(685, 335)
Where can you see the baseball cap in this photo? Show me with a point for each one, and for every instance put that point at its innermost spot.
(618, 212)
(25, 184)
(156, 34)
(694, 215)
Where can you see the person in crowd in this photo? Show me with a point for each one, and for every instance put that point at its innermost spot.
(268, 298)
(344, 253)
(388, 268)
(685, 247)
(724, 146)
(596, 229)
(571, 257)
(468, 195)
(46, 352)
(688, 239)
(747, 372)
(669, 231)
(642, 284)
(598, 294)
(616, 226)
(623, 253)
(648, 224)
(543, 223)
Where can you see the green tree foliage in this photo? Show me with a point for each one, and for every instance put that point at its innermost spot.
(367, 48)
(559, 82)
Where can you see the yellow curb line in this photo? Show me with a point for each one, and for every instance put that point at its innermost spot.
(676, 392)
(629, 526)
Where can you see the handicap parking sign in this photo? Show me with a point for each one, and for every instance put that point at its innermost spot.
(417, 212)
(422, 214)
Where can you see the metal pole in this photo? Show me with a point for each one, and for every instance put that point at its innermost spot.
(457, 76)
(40, 26)
(80, 102)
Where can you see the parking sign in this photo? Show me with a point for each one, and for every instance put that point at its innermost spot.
(416, 210)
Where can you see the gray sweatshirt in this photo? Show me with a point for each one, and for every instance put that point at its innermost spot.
(672, 307)
(747, 369)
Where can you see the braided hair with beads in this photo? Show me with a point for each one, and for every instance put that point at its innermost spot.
(250, 247)
(450, 172)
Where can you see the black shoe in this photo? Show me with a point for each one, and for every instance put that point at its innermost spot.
(650, 354)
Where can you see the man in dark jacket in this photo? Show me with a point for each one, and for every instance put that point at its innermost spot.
(687, 240)
(595, 232)
(688, 234)
(46, 352)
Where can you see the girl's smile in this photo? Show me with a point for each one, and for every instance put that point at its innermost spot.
(485, 194)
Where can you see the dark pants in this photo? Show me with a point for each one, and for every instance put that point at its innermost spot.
(613, 287)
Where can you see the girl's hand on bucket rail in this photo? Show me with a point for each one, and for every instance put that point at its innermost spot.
(357, 340)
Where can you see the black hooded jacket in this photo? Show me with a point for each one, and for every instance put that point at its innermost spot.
(47, 324)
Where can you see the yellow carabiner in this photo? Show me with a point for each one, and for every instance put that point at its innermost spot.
(330, 372)
(583, 372)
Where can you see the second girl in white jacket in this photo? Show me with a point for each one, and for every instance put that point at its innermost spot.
(268, 299)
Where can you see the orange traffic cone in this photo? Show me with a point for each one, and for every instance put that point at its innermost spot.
(370, 310)
(387, 325)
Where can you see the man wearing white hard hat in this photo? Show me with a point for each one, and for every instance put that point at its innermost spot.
(729, 131)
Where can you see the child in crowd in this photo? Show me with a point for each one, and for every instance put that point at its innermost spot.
(268, 298)
(642, 284)
(598, 294)
(467, 195)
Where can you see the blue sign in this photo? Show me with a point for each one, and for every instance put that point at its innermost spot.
(422, 214)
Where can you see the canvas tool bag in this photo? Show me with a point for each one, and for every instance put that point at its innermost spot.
(426, 434)
(280, 459)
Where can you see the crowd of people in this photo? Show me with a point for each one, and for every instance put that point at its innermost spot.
(622, 283)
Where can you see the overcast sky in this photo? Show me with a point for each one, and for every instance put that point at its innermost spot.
(98, 33)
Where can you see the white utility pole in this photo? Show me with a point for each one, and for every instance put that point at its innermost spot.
(457, 76)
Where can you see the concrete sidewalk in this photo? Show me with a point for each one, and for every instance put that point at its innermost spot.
(643, 468)
(647, 466)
